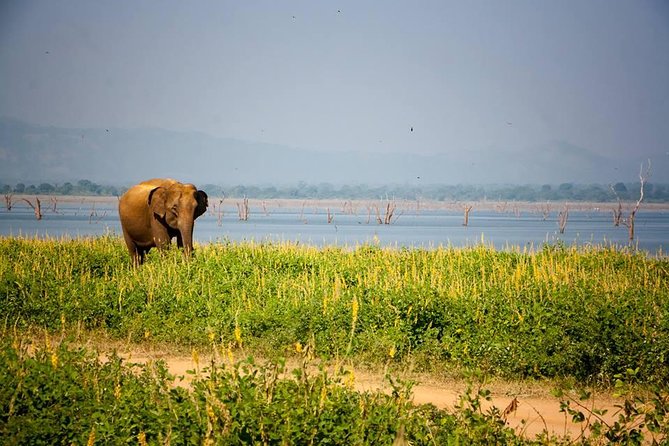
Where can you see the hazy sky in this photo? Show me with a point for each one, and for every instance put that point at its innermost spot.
(348, 75)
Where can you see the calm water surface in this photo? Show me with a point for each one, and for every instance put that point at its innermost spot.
(422, 229)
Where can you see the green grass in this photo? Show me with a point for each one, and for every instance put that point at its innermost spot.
(59, 395)
(56, 394)
(594, 315)
(583, 313)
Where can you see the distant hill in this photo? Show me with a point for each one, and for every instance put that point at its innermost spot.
(122, 156)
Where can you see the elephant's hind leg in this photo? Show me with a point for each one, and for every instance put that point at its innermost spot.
(141, 255)
(136, 253)
(138, 256)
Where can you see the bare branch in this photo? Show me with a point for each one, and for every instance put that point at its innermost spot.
(8, 201)
(546, 210)
(629, 222)
(302, 219)
(54, 204)
(243, 209)
(37, 207)
(467, 208)
(219, 215)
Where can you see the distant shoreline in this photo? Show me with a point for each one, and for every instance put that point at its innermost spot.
(342, 205)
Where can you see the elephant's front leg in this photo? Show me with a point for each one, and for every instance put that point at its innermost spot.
(161, 237)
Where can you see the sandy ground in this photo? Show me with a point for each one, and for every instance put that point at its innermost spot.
(537, 409)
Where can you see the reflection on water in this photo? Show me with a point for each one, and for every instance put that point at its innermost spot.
(424, 229)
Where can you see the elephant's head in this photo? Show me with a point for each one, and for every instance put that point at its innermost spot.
(177, 206)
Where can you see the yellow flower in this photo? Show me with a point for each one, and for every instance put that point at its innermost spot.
(324, 391)
(298, 347)
(238, 334)
(350, 379)
(91, 438)
(54, 360)
(354, 309)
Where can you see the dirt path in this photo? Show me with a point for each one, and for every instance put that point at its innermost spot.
(536, 409)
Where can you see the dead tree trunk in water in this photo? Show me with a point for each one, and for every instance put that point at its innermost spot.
(94, 216)
(302, 219)
(37, 207)
(243, 209)
(629, 221)
(219, 213)
(389, 213)
(8, 201)
(546, 210)
(617, 212)
(467, 209)
(54, 204)
(347, 208)
(563, 216)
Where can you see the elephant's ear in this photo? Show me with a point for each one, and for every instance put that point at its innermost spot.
(157, 199)
(202, 203)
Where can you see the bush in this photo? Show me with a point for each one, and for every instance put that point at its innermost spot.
(588, 313)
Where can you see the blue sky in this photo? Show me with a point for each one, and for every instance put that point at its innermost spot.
(474, 76)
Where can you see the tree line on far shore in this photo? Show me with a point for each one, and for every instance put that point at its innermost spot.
(438, 192)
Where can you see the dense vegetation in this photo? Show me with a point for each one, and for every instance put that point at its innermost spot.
(60, 395)
(65, 396)
(587, 313)
(81, 187)
(594, 315)
(546, 192)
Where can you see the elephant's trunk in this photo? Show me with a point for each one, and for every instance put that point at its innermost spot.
(186, 230)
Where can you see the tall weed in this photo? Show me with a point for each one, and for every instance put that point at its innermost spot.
(588, 313)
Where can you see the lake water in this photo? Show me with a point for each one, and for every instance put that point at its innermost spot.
(308, 225)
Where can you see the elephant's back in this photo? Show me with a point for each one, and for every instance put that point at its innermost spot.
(138, 195)
(133, 206)
(158, 182)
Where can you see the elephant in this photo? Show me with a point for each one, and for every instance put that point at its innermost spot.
(155, 211)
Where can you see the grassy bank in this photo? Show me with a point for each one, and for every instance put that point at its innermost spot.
(582, 313)
(57, 394)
